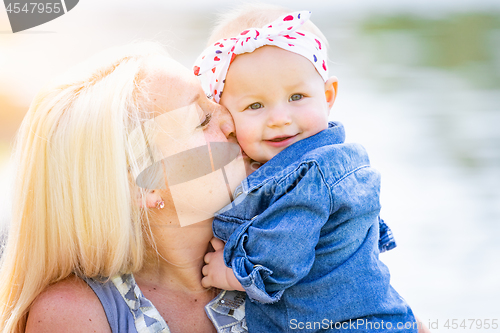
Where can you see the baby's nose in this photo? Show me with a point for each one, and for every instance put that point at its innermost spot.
(279, 116)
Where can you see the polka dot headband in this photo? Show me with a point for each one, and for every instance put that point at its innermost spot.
(283, 33)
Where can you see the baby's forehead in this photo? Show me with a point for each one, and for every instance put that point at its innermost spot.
(267, 74)
(268, 53)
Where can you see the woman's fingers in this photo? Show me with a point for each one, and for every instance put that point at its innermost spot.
(204, 270)
(217, 244)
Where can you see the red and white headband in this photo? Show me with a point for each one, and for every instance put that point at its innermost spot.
(214, 61)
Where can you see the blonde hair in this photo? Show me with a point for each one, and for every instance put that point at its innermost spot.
(253, 15)
(73, 209)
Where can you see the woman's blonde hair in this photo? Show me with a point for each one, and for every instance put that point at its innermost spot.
(73, 203)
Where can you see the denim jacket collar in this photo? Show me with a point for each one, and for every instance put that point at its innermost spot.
(334, 134)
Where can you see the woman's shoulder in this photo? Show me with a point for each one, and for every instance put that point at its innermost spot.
(68, 305)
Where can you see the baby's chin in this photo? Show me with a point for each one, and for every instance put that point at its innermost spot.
(250, 164)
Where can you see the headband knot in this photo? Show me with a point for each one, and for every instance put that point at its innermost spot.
(214, 61)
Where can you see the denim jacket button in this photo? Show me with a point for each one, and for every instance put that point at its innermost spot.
(237, 194)
(254, 217)
(255, 266)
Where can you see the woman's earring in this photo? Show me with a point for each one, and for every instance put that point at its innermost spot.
(160, 204)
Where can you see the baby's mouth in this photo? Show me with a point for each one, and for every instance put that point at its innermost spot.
(283, 138)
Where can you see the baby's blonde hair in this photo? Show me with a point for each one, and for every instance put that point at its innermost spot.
(253, 15)
(74, 198)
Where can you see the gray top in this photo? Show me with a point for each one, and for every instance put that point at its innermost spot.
(127, 310)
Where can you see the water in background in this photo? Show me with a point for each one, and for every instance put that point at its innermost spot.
(420, 89)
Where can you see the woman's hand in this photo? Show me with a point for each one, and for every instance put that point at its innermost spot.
(216, 273)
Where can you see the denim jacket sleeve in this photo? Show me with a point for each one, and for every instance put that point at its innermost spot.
(276, 249)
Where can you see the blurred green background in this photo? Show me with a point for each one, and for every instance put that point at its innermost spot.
(419, 87)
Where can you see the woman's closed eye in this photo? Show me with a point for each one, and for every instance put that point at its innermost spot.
(254, 106)
(205, 122)
(295, 97)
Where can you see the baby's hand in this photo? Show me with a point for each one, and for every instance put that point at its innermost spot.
(215, 272)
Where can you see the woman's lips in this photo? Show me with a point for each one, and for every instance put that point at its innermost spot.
(282, 141)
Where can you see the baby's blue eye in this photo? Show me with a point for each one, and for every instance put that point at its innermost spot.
(255, 106)
(296, 97)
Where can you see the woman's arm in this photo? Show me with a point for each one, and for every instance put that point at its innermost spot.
(67, 306)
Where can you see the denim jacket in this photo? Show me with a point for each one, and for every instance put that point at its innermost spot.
(302, 238)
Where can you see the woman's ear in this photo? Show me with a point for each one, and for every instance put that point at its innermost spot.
(153, 200)
(331, 86)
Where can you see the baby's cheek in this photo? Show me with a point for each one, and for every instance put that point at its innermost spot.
(246, 136)
(243, 139)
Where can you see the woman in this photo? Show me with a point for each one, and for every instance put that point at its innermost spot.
(78, 214)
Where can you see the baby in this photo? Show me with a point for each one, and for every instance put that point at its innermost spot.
(302, 235)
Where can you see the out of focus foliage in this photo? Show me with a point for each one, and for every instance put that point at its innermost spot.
(467, 43)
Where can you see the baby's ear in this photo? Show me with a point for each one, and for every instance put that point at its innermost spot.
(331, 86)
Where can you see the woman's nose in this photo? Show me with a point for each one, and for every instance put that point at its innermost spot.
(224, 122)
(278, 116)
(227, 126)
